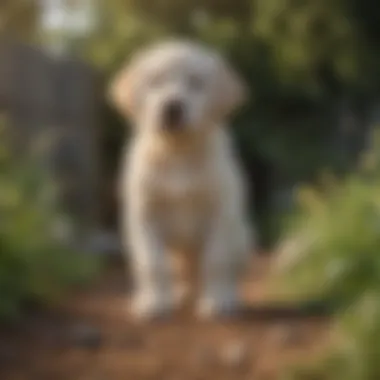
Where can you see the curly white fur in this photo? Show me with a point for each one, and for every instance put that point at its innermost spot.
(182, 190)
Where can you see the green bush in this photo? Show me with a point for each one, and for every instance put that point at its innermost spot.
(355, 352)
(332, 252)
(36, 264)
(333, 242)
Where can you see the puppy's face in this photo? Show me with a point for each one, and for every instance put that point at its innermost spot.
(177, 87)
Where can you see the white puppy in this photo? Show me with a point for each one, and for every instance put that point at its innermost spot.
(181, 184)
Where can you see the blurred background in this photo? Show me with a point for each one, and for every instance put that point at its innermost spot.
(308, 144)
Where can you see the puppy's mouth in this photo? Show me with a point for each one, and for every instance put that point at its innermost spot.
(173, 117)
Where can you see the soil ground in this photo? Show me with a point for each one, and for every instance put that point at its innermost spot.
(90, 337)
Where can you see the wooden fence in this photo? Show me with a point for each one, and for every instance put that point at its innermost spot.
(58, 99)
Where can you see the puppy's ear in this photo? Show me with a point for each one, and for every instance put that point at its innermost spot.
(231, 90)
(122, 91)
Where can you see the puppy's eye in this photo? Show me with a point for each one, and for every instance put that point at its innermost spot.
(196, 83)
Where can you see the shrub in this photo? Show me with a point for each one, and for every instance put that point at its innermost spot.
(333, 253)
(36, 264)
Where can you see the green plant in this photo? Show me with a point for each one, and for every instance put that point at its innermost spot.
(333, 242)
(332, 252)
(36, 264)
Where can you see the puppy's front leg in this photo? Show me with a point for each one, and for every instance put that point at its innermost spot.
(153, 293)
(220, 273)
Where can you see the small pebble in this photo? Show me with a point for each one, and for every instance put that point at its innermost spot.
(234, 354)
(86, 336)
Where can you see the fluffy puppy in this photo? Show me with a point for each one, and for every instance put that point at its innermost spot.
(181, 186)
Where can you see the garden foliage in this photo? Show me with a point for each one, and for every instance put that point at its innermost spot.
(37, 262)
(332, 253)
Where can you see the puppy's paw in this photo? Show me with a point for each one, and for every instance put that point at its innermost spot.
(151, 306)
(220, 307)
(181, 293)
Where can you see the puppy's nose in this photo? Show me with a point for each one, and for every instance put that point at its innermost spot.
(173, 114)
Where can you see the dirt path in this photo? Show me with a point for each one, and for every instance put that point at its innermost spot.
(90, 338)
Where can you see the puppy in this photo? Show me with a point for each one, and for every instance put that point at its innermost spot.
(181, 186)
